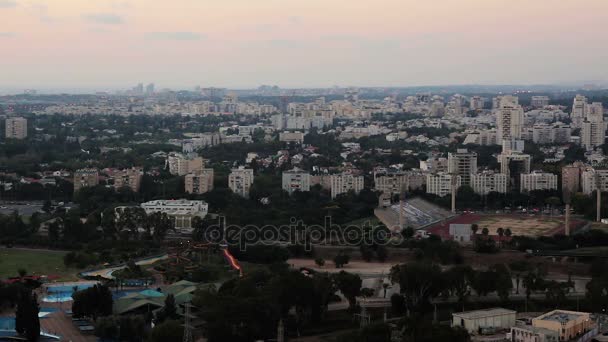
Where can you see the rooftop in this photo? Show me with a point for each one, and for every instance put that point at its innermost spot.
(484, 313)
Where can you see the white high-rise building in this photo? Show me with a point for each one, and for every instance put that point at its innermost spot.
(462, 163)
(476, 102)
(345, 182)
(181, 165)
(240, 181)
(16, 128)
(578, 114)
(509, 118)
(538, 180)
(296, 180)
(593, 134)
(488, 181)
(440, 184)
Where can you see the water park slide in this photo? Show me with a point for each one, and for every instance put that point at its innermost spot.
(232, 261)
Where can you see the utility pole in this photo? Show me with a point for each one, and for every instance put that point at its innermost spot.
(598, 191)
(188, 325)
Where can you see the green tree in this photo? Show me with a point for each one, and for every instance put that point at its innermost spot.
(27, 322)
(167, 331)
(349, 285)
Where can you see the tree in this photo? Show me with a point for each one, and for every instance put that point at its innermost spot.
(350, 286)
(474, 228)
(341, 259)
(320, 262)
(366, 252)
(167, 331)
(485, 231)
(92, 302)
(169, 310)
(501, 232)
(459, 279)
(504, 284)
(382, 253)
(27, 322)
(419, 282)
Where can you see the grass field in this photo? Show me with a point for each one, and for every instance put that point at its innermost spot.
(35, 262)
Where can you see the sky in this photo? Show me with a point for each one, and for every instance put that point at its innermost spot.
(109, 44)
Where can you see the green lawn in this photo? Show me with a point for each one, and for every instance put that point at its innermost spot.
(35, 263)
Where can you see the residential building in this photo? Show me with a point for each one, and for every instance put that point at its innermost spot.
(462, 163)
(182, 210)
(240, 181)
(16, 128)
(181, 165)
(488, 181)
(476, 103)
(84, 178)
(513, 165)
(488, 319)
(461, 233)
(539, 101)
(509, 118)
(130, 178)
(199, 182)
(440, 184)
(538, 180)
(434, 164)
(393, 182)
(345, 182)
(292, 137)
(592, 177)
(578, 114)
(593, 134)
(296, 180)
(571, 177)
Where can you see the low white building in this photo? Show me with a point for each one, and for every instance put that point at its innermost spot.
(182, 210)
(461, 233)
(487, 181)
(477, 321)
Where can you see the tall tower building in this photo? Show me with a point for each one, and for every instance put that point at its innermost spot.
(593, 130)
(509, 119)
(462, 163)
(16, 128)
(579, 105)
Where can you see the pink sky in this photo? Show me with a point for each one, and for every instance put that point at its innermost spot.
(244, 43)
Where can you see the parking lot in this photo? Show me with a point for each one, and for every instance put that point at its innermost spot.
(23, 208)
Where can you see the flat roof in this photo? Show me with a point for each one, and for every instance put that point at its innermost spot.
(484, 313)
(561, 316)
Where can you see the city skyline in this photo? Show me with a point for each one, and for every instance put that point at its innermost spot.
(70, 44)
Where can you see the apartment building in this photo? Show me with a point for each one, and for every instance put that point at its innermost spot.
(199, 182)
(345, 182)
(488, 181)
(130, 178)
(462, 163)
(16, 128)
(181, 165)
(440, 184)
(592, 177)
(296, 180)
(240, 181)
(538, 180)
(84, 178)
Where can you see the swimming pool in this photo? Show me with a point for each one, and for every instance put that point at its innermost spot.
(7, 323)
(63, 293)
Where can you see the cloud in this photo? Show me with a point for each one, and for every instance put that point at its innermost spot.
(8, 4)
(7, 34)
(178, 35)
(104, 18)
